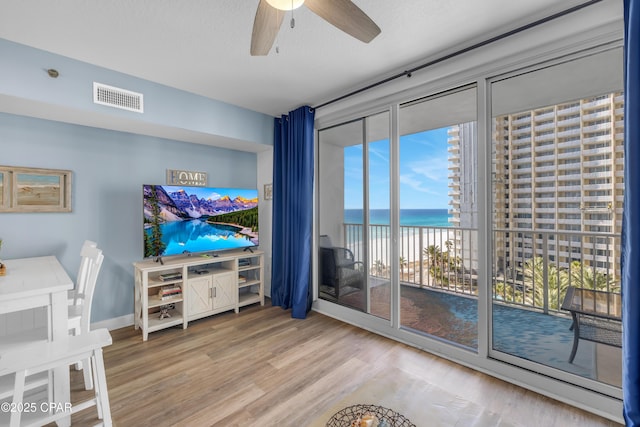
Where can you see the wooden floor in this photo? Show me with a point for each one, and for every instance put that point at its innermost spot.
(263, 368)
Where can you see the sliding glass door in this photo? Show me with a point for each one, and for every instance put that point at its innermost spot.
(557, 198)
(555, 182)
(354, 215)
(378, 218)
(478, 216)
(438, 216)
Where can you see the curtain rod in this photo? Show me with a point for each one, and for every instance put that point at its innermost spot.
(463, 50)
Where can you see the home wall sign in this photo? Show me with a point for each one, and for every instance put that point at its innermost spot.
(34, 189)
(191, 178)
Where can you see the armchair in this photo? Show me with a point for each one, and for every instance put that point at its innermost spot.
(340, 274)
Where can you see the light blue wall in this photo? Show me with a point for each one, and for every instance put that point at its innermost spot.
(23, 76)
(109, 169)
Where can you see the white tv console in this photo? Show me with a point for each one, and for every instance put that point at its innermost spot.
(196, 286)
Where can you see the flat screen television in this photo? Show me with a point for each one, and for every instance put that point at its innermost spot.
(185, 220)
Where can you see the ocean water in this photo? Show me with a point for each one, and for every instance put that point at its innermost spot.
(408, 217)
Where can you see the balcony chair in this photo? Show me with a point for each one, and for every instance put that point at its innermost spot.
(79, 310)
(341, 274)
(597, 316)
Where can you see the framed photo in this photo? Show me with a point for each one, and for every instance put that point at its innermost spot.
(268, 191)
(4, 195)
(34, 190)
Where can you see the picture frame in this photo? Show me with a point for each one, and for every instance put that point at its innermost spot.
(4, 189)
(25, 189)
(268, 191)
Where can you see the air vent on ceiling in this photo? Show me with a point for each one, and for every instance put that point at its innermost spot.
(118, 98)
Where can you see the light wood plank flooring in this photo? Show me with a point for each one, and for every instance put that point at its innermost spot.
(263, 368)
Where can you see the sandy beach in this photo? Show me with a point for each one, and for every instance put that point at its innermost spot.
(416, 257)
(412, 242)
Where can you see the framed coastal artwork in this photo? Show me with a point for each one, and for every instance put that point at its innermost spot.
(34, 190)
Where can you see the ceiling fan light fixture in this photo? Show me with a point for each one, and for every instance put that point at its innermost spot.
(285, 4)
(342, 14)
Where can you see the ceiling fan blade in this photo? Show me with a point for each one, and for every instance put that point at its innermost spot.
(346, 16)
(265, 28)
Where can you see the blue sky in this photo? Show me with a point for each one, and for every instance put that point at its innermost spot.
(423, 172)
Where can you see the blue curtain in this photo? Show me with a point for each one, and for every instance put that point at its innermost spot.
(292, 211)
(631, 219)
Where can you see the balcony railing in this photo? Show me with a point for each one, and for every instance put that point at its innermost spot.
(531, 269)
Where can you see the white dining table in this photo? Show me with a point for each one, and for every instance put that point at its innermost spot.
(40, 282)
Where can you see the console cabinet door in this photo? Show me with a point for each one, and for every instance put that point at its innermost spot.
(225, 290)
(199, 300)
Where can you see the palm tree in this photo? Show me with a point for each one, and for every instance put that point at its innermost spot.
(403, 264)
(590, 278)
(379, 268)
(453, 262)
(508, 293)
(433, 254)
(557, 282)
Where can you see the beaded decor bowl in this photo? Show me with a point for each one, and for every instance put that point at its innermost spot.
(386, 417)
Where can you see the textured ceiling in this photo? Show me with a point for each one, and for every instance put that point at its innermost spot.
(202, 46)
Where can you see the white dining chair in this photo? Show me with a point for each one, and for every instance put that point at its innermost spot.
(80, 308)
(83, 270)
(79, 315)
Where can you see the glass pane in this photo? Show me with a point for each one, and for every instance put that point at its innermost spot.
(438, 217)
(379, 218)
(557, 194)
(354, 222)
(341, 202)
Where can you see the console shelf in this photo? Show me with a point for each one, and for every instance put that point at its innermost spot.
(155, 323)
(248, 299)
(186, 288)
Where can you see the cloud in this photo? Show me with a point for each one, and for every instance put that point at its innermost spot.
(381, 154)
(412, 182)
(432, 169)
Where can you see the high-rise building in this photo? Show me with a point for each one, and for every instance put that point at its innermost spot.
(557, 170)
(463, 182)
(463, 186)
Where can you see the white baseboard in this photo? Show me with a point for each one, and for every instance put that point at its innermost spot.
(115, 323)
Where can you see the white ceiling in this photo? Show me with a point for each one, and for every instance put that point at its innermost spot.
(202, 46)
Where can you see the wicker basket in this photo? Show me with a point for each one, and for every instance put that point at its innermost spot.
(3, 269)
(346, 416)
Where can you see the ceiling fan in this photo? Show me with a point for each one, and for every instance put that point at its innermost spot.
(343, 14)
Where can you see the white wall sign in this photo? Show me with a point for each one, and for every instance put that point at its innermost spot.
(180, 177)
